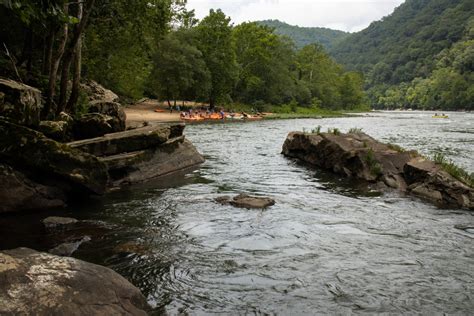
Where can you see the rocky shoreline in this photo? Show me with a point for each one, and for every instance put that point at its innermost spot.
(50, 164)
(357, 155)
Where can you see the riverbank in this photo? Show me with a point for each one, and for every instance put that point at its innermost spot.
(152, 112)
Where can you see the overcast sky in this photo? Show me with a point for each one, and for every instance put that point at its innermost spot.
(346, 15)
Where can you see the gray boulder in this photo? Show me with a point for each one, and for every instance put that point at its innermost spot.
(92, 125)
(142, 154)
(112, 109)
(20, 103)
(358, 155)
(246, 201)
(35, 283)
(96, 92)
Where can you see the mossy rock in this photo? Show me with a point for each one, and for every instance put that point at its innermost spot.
(57, 130)
(28, 149)
(20, 103)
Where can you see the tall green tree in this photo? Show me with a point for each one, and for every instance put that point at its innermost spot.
(214, 34)
(179, 71)
(264, 63)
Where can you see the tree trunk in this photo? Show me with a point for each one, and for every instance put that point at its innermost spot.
(76, 78)
(69, 54)
(49, 45)
(53, 71)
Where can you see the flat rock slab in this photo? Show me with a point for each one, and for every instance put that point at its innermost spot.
(28, 149)
(35, 283)
(129, 141)
(247, 201)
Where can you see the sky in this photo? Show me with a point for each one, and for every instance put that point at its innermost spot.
(345, 15)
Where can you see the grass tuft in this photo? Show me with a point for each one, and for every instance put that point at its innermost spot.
(457, 172)
(355, 130)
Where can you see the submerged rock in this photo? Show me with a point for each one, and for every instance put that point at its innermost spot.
(35, 283)
(54, 222)
(68, 248)
(20, 103)
(360, 156)
(246, 201)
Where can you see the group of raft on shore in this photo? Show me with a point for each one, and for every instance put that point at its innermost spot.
(211, 115)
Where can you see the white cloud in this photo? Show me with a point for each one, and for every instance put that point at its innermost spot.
(347, 15)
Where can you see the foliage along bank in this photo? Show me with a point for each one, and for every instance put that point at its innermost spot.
(157, 48)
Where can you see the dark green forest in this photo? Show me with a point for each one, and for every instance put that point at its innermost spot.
(303, 36)
(420, 57)
(159, 49)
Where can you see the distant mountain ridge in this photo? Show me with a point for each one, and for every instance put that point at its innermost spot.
(303, 36)
(420, 56)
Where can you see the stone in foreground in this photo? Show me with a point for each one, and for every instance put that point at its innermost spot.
(35, 283)
(246, 201)
(358, 155)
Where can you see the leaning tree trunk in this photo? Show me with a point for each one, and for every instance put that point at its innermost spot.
(76, 76)
(69, 54)
(53, 71)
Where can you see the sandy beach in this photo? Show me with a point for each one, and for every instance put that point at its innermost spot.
(140, 113)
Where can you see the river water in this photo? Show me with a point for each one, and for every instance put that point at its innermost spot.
(326, 247)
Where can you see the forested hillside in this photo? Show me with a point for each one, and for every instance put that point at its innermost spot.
(421, 56)
(303, 36)
(159, 49)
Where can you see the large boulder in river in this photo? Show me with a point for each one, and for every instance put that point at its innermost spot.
(360, 156)
(20, 103)
(31, 150)
(142, 154)
(34, 283)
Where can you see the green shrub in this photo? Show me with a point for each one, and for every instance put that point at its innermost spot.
(396, 148)
(372, 163)
(316, 130)
(455, 171)
(334, 131)
(355, 130)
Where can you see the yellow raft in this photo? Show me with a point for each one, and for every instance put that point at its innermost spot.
(440, 116)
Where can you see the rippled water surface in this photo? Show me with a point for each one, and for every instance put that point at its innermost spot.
(326, 247)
